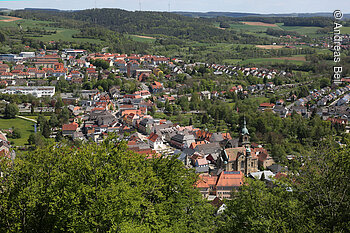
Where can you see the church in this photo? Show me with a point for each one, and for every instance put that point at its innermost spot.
(243, 157)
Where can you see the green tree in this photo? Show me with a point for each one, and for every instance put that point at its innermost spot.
(257, 208)
(100, 188)
(53, 121)
(11, 110)
(16, 133)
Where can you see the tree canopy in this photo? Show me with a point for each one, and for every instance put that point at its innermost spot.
(99, 188)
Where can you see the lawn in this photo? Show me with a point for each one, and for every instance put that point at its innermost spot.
(26, 128)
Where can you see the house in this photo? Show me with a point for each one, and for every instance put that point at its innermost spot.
(182, 140)
(201, 165)
(156, 87)
(207, 185)
(228, 181)
(266, 106)
(69, 129)
(212, 149)
(155, 141)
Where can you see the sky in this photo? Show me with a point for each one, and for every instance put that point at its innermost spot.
(248, 6)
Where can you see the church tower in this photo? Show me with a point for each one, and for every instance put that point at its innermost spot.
(245, 138)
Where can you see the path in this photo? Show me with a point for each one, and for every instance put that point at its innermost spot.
(28, 119)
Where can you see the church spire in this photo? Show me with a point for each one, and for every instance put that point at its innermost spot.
(245, 130)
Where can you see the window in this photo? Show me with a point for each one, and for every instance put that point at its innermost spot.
(242, 164)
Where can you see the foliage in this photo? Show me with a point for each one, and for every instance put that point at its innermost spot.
(100, 188)
(11, 110)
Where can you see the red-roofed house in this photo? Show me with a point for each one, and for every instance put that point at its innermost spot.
(228, 182)
(266, 106)
(155, 141)
(156, 87)
(69, 129)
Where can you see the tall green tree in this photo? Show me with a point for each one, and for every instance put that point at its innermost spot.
(11, 110)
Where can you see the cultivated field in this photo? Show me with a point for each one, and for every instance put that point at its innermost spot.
(260, 24)
(269, 46)
(139, 38)
(9, 19)
(299, 58)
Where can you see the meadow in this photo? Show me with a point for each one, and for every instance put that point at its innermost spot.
(26, 127)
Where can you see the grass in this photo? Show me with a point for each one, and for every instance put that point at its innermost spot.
(310, 31)
(36, 117)
(251, 28)
(345, 30)
(26, 127)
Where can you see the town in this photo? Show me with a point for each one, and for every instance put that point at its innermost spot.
(143, 121)
(93, 113)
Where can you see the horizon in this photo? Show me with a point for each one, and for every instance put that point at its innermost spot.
(200, 6)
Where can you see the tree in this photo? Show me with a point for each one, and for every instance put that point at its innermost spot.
(11, 110)
(64, 115)
(36, 140)
(257, 208)
(58, 105)
(53, 121)
(16, 133)
(46, 131)
(41, 121)
(100, 188)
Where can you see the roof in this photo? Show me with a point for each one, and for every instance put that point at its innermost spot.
(206, 181)
(153, 137)
(230, 179)
(69, 127)
(233, 153)
(267, 105)
(201, 162)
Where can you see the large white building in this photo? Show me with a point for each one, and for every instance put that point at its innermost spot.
(37, 91)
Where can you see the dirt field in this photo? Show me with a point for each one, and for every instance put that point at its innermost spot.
(269, 46)
(290, 58)
(10, 19)
(260, 24)
(146, 37)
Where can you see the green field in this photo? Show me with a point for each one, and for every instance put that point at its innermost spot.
(310, 31)
(260, 61)
(26, 127)
(140, 39)
(345, 30)
(251, 28)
